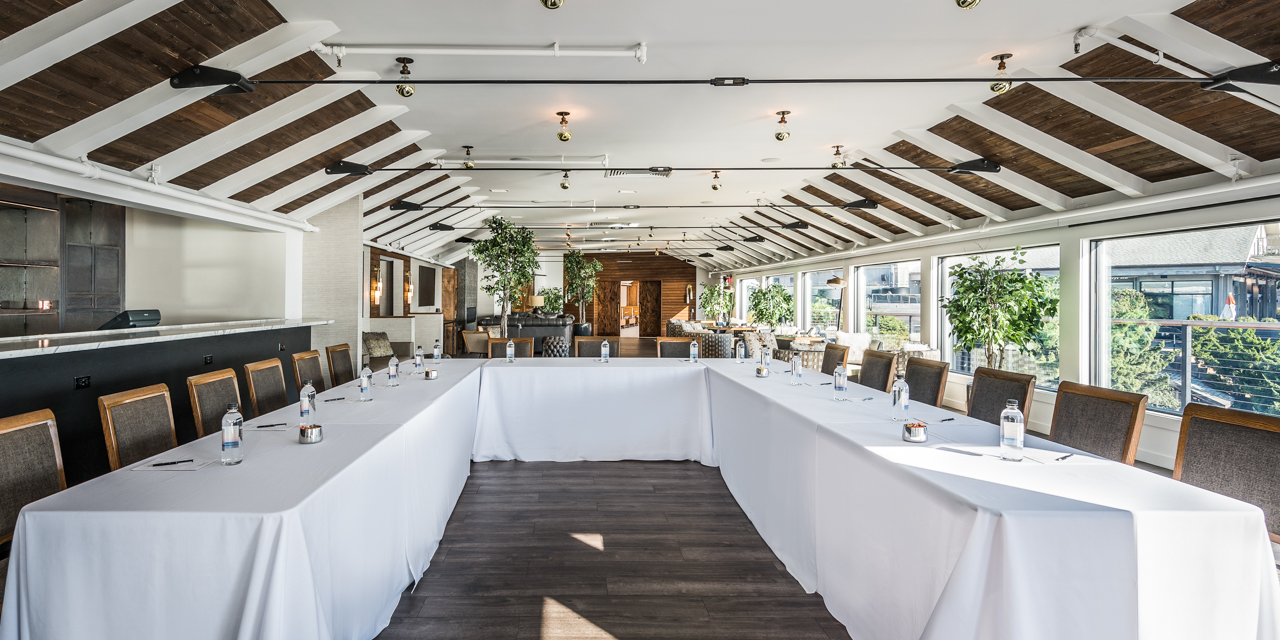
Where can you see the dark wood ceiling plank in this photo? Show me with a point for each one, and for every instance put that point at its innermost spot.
(858, 233)
(942, 202)
(268, 145)
(441, 178)
(1101, 137)
(346, 180)
(1249, 129)
(16, 15)
(416, 218)
(1252, 24)
(410, 213)
(976, 184)
(780, 219)
(880, 199)
(318, 162)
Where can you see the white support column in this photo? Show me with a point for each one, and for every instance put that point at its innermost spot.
(424, 217)
(936, 184)
(68, 32)
(422, 197)
(293, 274)
(1142, 121)
(887, 190)
(249, 59)
(906, 224)
(251, 127)
(1015, 182)
(1073, 158)
(319, 179)
(302, 151)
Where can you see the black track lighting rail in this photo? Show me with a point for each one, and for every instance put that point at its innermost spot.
(728, 82)
(981, 165)
(859, 204)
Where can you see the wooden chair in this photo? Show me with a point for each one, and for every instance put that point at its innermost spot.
(927, 380)
(476, 343)
(674, 347)
(32, 461)
(1104, 422)
(498, 347)
(210, 394)
(306, 366)
(137, 424)
(1233, 453)
(589, 346)
(879, 369)
(993, 387)
(266, 386)
(834, 355)
(342, 368)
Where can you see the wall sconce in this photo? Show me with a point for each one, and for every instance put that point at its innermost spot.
(377, 293)
(45, 305)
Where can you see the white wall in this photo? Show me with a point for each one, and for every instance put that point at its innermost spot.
(196, 271)
(332, 278)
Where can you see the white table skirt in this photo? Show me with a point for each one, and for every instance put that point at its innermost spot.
(568, 409)
(298, 541)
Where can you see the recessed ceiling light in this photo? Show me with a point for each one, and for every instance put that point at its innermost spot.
(626, 190)
(521, 159)
(756, 192)
(498, 190)
(771, 160)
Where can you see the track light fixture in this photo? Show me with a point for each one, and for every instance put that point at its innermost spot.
(439, 226)
(782, 133)
(202, 76)
(463, 240)
(553, 4)
(967, 4)
(796, 225)
(468, 163)
(565, 134)
(405, 205)
(715, 181)
(404, 89)
(968, 168)
(344, 168)
(1003, 82)
(564, 184)
(706, 255)
(724, 248)
(839, 162)
(865, 203)
(753, 239)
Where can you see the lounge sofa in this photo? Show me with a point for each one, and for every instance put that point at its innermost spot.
(525, 325)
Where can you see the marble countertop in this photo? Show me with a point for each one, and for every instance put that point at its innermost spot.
(23, 346)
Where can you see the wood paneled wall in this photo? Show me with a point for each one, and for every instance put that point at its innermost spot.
(676, 276)
(651, 323)
(609, 318)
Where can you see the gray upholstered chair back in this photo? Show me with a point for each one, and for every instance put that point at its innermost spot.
(878, 369)
(555, 347)
(993, 387)
(1104, 422)
(1233, 453)
(30, 467)
(137, 424)
(210, 394)
(834, 355)
(927, 380)
(590, 348)
(266, 386)
(674, 348)
(875, 345)
(715, 345)
(341, 368)
(306, 366)
(498, 347)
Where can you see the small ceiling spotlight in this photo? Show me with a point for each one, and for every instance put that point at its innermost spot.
(564, 184)
(967, 4)
(565, 134)
(405, 90)
(468, 163)
(839, 162)
(865, 203)
(1003, 82)
(782, 133)
(715, 182)
(556, 4)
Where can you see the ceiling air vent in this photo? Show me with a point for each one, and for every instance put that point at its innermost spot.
(651, 172)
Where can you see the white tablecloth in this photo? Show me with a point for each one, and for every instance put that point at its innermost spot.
(567, 409)
(298, 541)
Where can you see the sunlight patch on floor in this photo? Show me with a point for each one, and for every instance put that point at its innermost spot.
(593, 540)
(562, 623)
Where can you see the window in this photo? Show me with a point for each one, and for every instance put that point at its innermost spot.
(822, 301)
(891, 302)
(786, 281)
(1042, 362)
(1188, 317)
(745, 289)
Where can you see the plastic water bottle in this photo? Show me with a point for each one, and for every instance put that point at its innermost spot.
(901, 399)
(232, 433)
(840, 384)
(436, 351)
(797, 371)
(393, 372)
(1012, 431)
(604, 351)
(693, 350)
(311, 394)
(511, 350)
(366, 382)
(419, 359)
(740, 352)
(306, 402)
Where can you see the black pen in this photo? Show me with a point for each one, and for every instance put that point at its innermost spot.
(336, 399)
(171, 462)
(824, 384)
(278, 424)
(946, 420)
(1064, 457)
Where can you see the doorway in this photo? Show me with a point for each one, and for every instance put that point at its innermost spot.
(629, 311)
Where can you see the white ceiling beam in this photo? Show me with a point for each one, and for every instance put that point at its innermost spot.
(251, 127)
(884, 213)
(869, 230)
(68, 32)
(750, 248)
(274, 47)
(769, 241)
(727, 260)
(393, 194)
(1142, 121)
(387, 225)
(736, 255)
(1073, 158)
(768, 247)
(889, 191)
(319, 179)
(303, 151)
(1015, 182)
(787, 237)
(441, 238)
(417, 229)
(936, 184)
(357, 187)
(820, 228)
(456, 255)
(695, 260)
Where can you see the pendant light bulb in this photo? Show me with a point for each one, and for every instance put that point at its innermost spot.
(405, 90)
(468, 163)
(1003, 82)
(839, 162)
(782, 133)
(715, 182)
(564, 184)
(565, 134)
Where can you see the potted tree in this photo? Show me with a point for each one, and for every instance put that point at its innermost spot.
(552, 300)
(580, 286)
(717, 302)
(772, 305)
(996, 303)
(511, 259)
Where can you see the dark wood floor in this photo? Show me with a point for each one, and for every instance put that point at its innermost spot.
(605, 550)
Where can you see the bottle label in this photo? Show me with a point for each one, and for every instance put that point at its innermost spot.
(304, 403)
(232, 444)
(364, 383)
